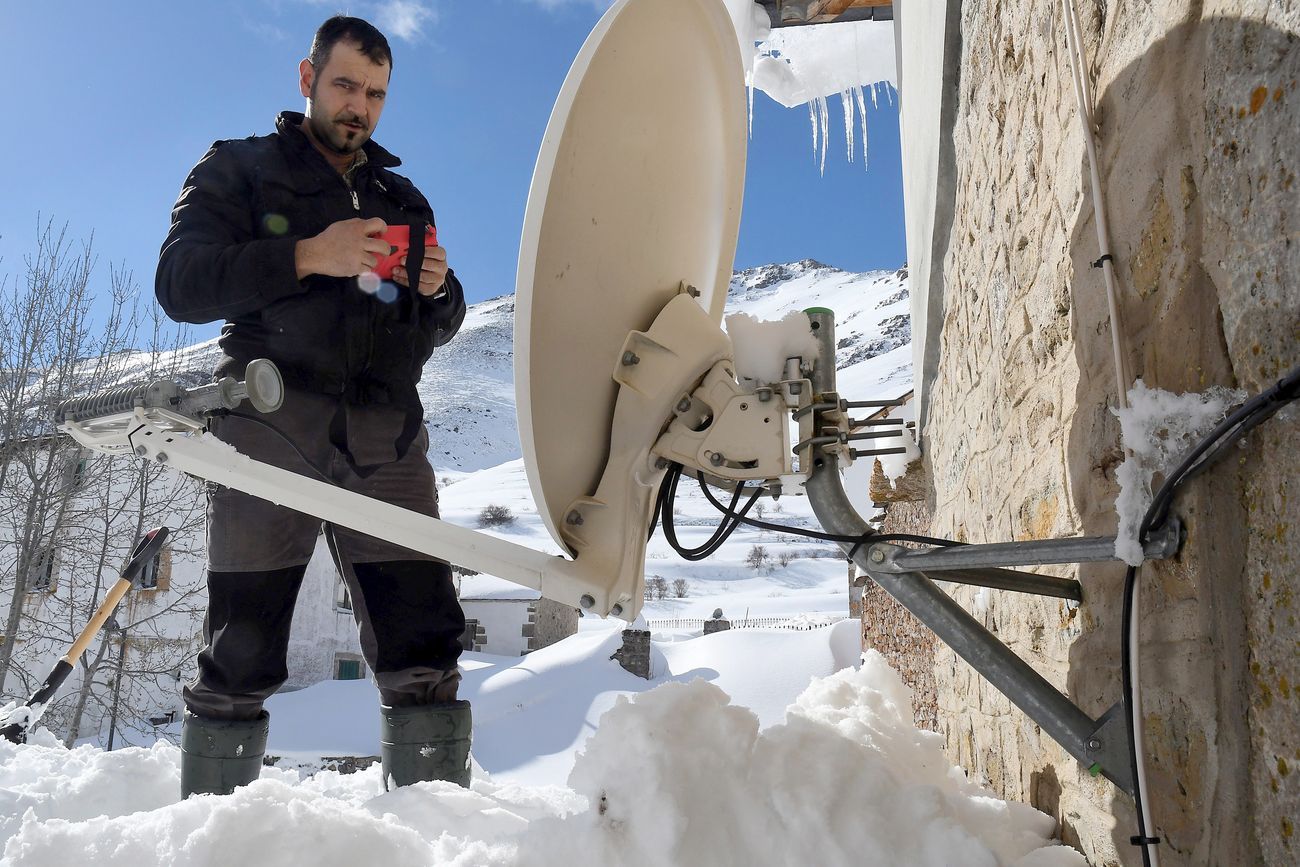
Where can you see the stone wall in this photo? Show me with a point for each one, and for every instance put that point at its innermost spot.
(907, 645)
(1198, 112)
(634, 653)
(548, 622)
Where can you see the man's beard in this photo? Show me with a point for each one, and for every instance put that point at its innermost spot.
(337, 138)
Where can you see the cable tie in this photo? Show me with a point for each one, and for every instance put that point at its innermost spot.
(1137, 840)
(1104, 257)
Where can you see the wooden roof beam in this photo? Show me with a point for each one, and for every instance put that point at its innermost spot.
(793, 13)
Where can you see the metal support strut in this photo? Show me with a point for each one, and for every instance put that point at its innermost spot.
(1100, 744)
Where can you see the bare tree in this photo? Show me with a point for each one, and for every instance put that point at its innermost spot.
(69, 518)
(757, 558)
(45, 335)
(656, 587)
(680, 588)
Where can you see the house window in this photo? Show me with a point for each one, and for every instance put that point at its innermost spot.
(149, 574)
(75, 472)
(348, 668)
(40, 572)
(156, 574)
(342, 599)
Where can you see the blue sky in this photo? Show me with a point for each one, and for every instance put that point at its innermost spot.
(112, 103)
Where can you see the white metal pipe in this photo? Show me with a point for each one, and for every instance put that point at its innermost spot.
(1123, 378)
(1118, 338)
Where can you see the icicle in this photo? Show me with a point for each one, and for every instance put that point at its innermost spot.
(874, 103)
(862, 113)
(812, 118)
(750, 82)
(826, 123)
(846, 102)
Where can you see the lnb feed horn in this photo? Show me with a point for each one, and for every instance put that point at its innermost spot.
(262, 386)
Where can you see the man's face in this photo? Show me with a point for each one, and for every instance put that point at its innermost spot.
(345, 98)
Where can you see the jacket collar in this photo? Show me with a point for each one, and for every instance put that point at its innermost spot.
(289, 126)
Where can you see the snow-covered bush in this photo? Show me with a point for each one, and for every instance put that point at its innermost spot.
(495, 516)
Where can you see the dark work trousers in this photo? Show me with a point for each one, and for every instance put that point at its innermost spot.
(407, 613)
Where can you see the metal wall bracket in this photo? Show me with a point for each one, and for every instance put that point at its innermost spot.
(884, 557)
(1099, 744)
(1163, 543)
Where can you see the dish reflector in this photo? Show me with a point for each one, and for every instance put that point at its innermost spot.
(637, 189)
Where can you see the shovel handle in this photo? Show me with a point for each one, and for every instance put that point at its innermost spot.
(115, 594)
(145, 550)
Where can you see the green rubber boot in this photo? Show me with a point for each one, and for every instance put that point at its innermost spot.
(219, 755)
(425, 742)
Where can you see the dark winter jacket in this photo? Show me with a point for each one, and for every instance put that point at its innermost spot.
(230, 255)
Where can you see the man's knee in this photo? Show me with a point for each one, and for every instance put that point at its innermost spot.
(249, 618)
(413, 613)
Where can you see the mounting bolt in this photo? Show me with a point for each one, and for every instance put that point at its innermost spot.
(630, 358)
(692, 291)
(162, 458)
(877, 556)
(716, 458)
(616, 610)
(764, 394)
(586, 601)
(684, 404)
(141, 451)
(1094, 744)
(574, 518)
(661, 463)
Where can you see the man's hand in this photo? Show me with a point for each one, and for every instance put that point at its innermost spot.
(344, 249)
(432, 274)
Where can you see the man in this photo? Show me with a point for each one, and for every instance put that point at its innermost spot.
(275, 235)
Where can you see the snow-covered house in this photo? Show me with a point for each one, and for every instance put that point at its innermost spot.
(509, 620)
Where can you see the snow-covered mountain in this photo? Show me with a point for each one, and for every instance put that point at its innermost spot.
(468, 385)
(468, 389)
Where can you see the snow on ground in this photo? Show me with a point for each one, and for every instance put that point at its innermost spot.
(675, 772)
(815, 578)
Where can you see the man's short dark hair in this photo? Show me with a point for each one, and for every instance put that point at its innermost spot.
(342, 27)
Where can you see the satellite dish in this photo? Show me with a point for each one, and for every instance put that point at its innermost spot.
(637, 190)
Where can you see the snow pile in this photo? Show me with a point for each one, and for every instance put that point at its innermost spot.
(1158, 428)
(895, 466)
(762, 347)
(22, 715)
(847, 779)
(677, 776)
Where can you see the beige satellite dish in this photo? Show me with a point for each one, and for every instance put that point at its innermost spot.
(637, 191)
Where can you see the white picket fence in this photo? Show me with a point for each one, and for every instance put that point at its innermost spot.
(801, 622)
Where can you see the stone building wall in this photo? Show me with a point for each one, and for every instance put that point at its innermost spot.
(907, 644)
(548, 622)
(1198, 111)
